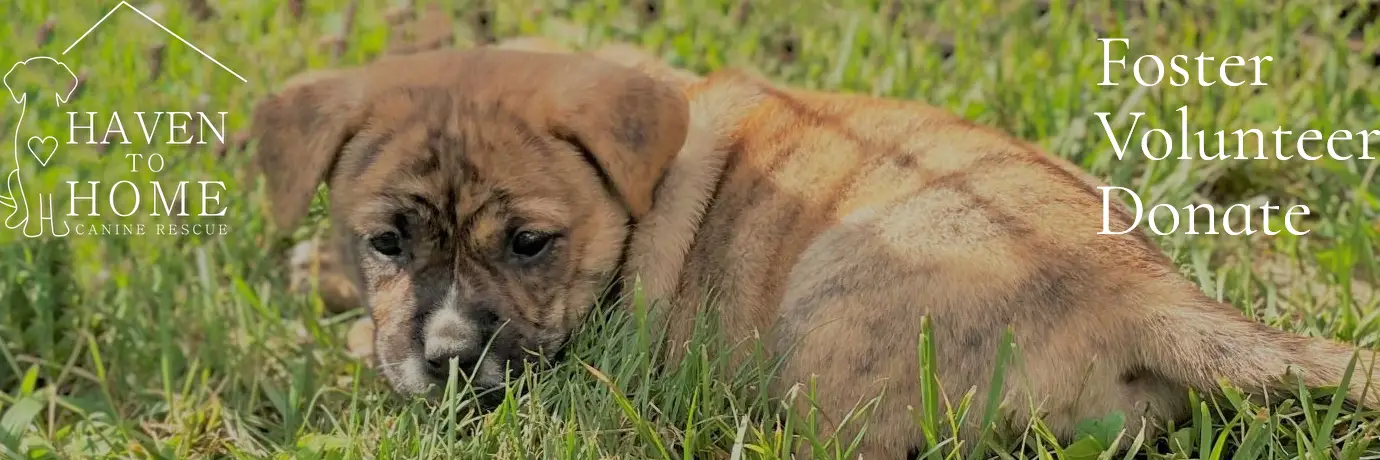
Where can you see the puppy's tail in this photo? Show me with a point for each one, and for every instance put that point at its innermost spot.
(1208, 341)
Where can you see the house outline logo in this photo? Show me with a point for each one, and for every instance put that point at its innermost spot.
(15, 212)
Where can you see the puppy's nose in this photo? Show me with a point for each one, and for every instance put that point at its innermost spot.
(438, 364)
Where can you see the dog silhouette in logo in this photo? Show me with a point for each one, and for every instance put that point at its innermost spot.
(34, 149)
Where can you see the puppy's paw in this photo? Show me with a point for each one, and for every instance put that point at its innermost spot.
(299, 266)
(412, 32)
(313, 264)
(359, 341)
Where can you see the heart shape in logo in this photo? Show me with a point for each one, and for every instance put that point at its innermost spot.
(39, 153)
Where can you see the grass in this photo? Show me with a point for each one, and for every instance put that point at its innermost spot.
(190, 346)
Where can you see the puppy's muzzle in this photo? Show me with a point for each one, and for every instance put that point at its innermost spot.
(438, 365)
(451, 338)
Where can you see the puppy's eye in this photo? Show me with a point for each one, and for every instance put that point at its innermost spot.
(387, 243)
(528, 244)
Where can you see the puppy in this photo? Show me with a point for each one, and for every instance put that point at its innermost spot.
(485, 198)
(316, 265)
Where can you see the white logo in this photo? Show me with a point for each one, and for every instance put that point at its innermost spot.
(30, 209)
(41, 149)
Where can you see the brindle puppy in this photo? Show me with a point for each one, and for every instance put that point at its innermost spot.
(487, 197)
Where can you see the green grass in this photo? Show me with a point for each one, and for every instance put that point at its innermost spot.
(175, 347)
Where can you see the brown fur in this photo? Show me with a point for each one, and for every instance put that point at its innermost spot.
(828, 224)
(400, 140)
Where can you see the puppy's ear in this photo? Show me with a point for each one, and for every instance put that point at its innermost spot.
(300, 131)
(626, 123)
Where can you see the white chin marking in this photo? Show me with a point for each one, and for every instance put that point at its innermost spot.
(412, 378)
(490, 374)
